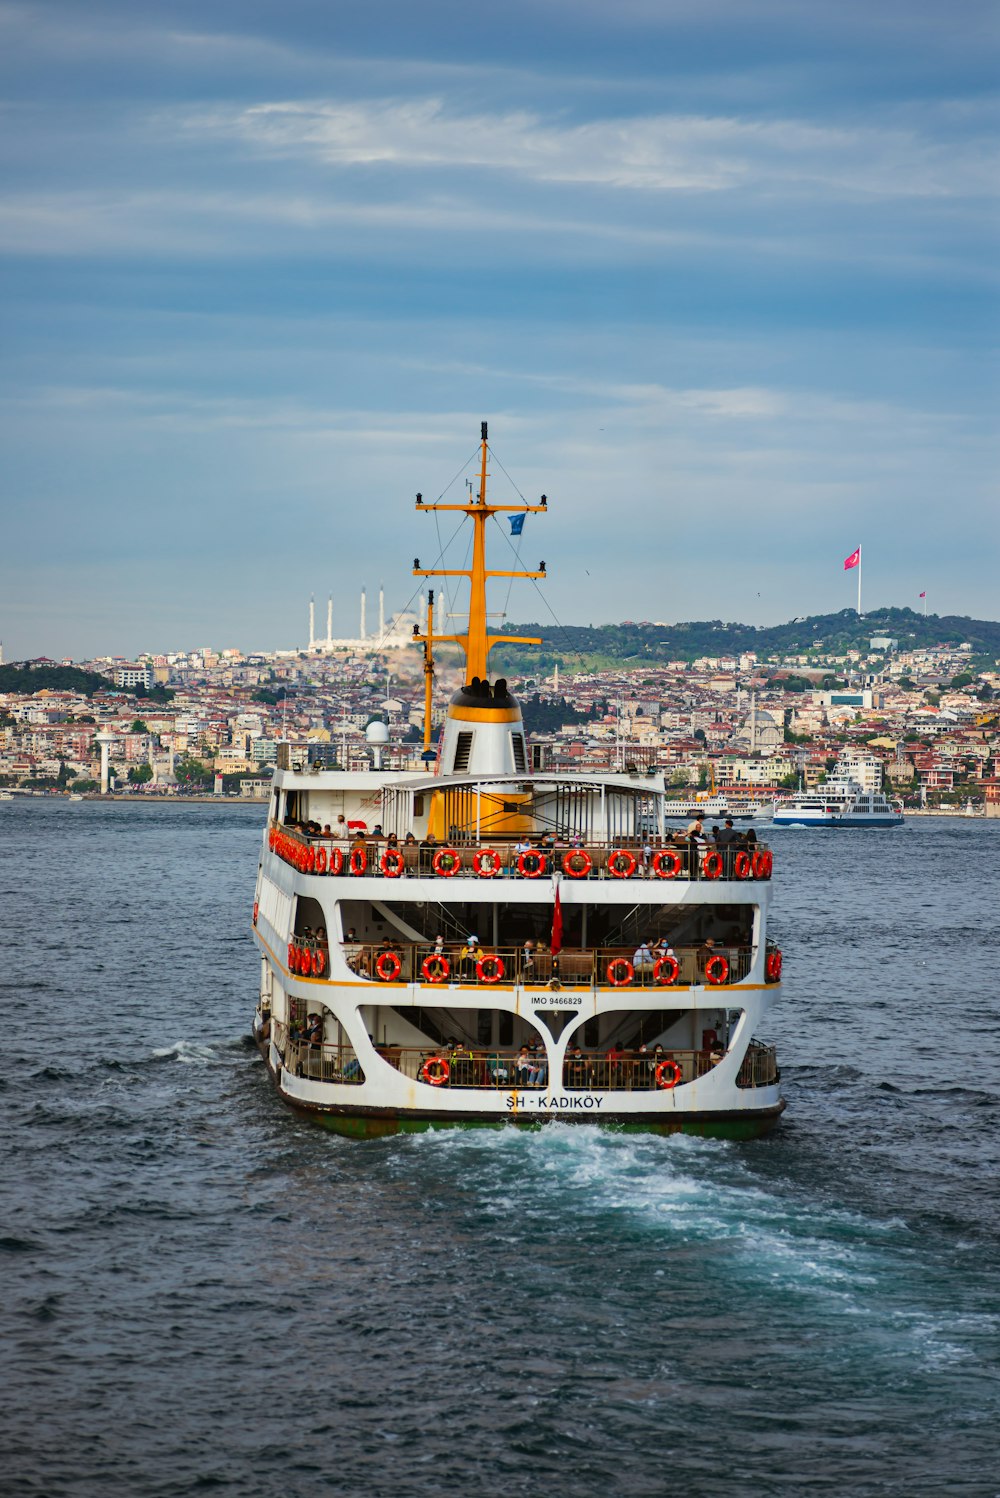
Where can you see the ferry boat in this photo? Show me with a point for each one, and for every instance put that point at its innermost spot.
(492, 946)
(718, 806)
(841, 801)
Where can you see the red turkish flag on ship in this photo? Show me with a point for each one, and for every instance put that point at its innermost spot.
(854, 560)
(557, 925)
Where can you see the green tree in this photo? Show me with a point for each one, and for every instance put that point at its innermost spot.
(65, 773)
(192, 773)
(139, 726)
(703, 778)
(140, 774)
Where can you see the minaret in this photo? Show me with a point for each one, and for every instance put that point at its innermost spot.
(381, 612)
(312, 622)
(363, 636)
(329, 622)
(555, 677)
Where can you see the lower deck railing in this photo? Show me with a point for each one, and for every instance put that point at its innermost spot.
(501, 1070)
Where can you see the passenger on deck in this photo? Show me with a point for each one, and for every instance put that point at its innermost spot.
(341, 828)
(540, 1062)
(313, 1032)
(642, 1072)
(525, 1071)
(469, 956)
(614, 1059)
(327, 830)
(695, 835)
(577, 1069)
(527, 958)
(428, 846)
(642, 961)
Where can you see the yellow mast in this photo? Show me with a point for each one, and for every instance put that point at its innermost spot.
(428, 667)
(477, 642)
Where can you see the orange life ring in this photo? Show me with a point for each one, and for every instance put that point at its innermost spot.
(616, 869)
(495, 973)
(437, 862)
(321, 860)
(668, 965)
(761, 864)
(392, 863)
(388, 966)
(742, 865)
(255, 912)
(667, 863)
(772, 967)
(292, 954)
(336, 861)
(668, 1074)
(620, 972)
(538, 862)
(711, 865)
(568, 860)
(487, 863)
(435, 968)
(318, 962)
(359, 860)
(438, 1078)
(717, 969)
(311, 861)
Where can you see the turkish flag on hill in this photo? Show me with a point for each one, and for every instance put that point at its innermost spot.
(854, 560)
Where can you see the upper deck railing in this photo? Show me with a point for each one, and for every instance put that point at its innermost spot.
(649, 966)
(667, 857)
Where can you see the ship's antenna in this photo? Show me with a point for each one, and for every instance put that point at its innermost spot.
(477, 642)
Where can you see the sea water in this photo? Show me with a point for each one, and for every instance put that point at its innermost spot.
(202, 1293)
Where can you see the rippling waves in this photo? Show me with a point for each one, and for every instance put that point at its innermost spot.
(203, 1293)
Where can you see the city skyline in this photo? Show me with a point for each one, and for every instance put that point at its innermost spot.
(721, 279)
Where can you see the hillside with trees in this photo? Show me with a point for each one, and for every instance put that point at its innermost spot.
(575, 646)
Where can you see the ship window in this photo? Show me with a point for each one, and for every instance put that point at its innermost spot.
(520, 761)
(463, 752)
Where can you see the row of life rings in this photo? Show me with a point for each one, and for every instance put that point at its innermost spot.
(487, 863)
(437, 969)
(620, 973)
(772, 966)
(308, 962)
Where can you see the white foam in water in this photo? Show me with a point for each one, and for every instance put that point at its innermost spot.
(190, 1052)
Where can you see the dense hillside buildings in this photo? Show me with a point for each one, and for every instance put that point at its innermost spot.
(922, 718)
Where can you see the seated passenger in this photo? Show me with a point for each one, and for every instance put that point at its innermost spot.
(642, 961)
(540, 1061)
(577, 1070)
(525, 1071)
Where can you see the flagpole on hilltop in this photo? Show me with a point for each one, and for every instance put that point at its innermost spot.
(859, 582)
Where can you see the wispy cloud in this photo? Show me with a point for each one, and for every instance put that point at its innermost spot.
(653, 153)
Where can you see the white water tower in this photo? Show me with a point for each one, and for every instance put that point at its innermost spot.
(105, 740)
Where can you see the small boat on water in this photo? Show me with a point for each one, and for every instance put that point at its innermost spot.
(484, 944)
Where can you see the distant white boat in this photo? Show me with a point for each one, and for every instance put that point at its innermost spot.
(740, 808)
(75, 796)
(840, 802)
(6, 796)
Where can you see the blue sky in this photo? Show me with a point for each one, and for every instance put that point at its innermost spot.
(721, 276)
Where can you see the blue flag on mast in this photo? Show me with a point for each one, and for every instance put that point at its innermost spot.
(516, 524)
